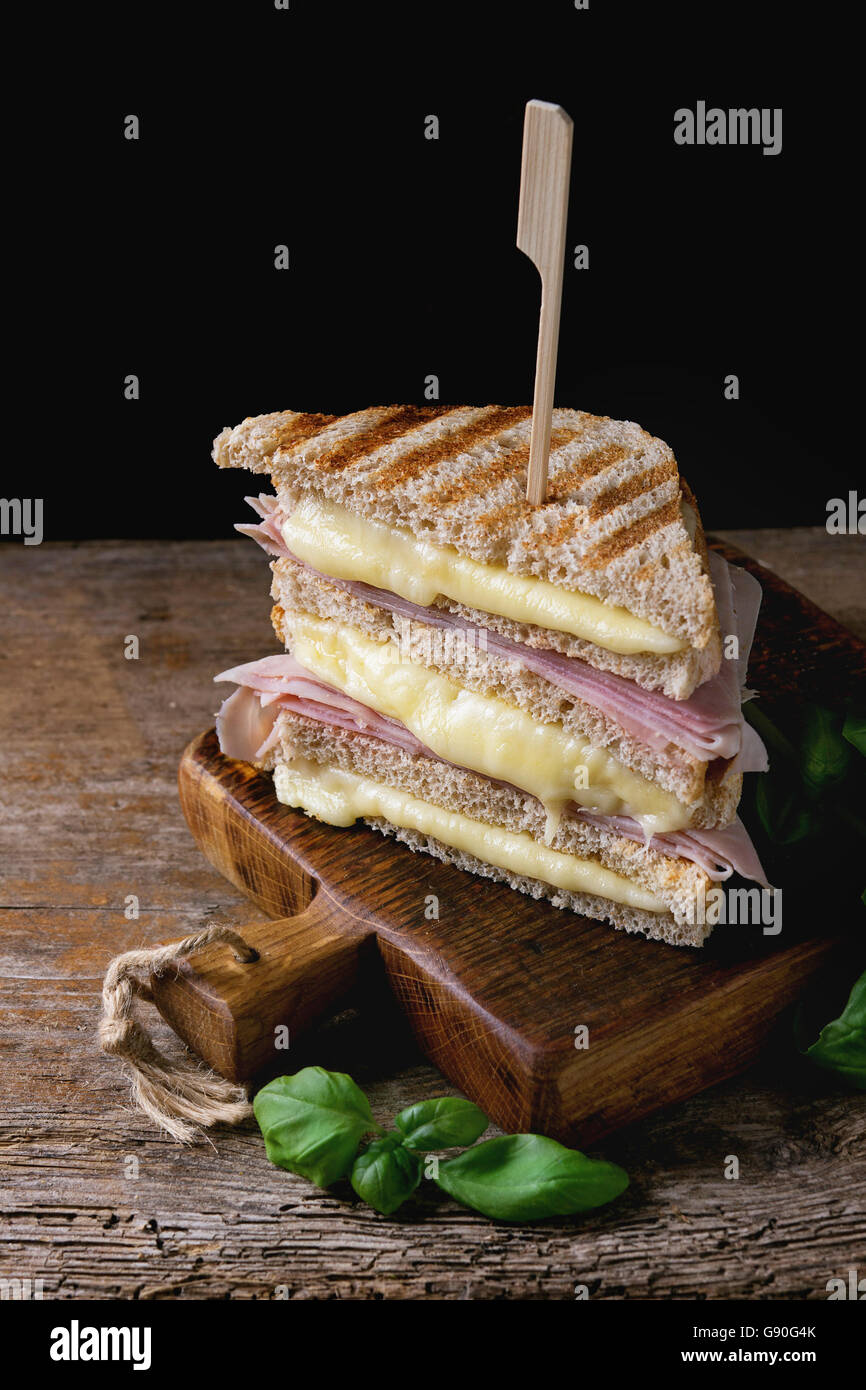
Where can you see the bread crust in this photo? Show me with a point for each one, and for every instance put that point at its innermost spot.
(676, 882)
(611, 526)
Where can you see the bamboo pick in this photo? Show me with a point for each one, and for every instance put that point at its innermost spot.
(544, 179)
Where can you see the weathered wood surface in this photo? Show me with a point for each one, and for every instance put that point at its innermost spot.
(96, 1204)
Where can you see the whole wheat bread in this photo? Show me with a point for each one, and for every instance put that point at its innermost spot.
(712, 802)
(676, 882)
(612, 526)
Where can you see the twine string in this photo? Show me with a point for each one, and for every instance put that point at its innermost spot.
(180, 1095)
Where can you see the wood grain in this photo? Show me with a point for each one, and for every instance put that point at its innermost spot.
(98, 1205)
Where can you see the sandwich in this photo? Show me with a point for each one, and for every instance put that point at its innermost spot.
(547, 695)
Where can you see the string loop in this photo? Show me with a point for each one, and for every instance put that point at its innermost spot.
(182, 1096)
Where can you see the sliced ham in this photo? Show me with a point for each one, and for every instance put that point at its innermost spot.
(752, 756)
(246, 720)
(719, 853)
(266, 531)
(708, 725)
(246, 728)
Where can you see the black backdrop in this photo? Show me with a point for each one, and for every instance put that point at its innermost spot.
(306, 127)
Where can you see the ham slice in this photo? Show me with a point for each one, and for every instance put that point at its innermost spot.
(266, 531)
(243, 728)
(719, 853)
(246, 728)
(245, 721)
(708, 725)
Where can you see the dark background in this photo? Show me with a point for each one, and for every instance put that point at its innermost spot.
(306, 127)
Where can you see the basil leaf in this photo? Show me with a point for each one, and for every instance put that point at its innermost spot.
(854, 729)
(384, 1174)
(851, 820)
(312, 1123)
(525, 1177)
(777, 742)
(841, 1045)
(442, 1123)
(825, 754)
(783, 814)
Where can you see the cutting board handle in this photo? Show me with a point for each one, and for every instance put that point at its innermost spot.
(240, 1016)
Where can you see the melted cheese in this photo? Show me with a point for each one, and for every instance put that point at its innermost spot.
(340, 798)
(478, 731)
(337, 542)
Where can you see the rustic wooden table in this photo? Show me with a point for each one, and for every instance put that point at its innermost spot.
(95, 1203)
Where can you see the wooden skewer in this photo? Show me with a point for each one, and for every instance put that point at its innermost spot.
(544, 178)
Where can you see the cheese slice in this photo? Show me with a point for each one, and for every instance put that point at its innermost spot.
(337, 542)
(479, 731)
(340, 798)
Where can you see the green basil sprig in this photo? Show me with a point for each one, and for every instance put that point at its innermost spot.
(447, 1122)
(815, 792)
(313, 1124)
(385, 1173)
(814, 787)
(854, 729)
(841, 1044)
(524, 1177)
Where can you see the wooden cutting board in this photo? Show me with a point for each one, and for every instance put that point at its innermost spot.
(496, 986)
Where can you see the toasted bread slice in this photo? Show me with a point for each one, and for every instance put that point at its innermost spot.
(677, 883)
(613, 525)
(711, 802)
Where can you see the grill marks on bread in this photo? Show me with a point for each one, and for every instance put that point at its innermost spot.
(303, 427)
(611, 525)
(481, 477)
(617, 544)
(485, 427)
(397, 421)
(487, 474)
(632, 488)
(569, 479)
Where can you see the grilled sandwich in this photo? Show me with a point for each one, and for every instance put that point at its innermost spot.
(537, 693)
